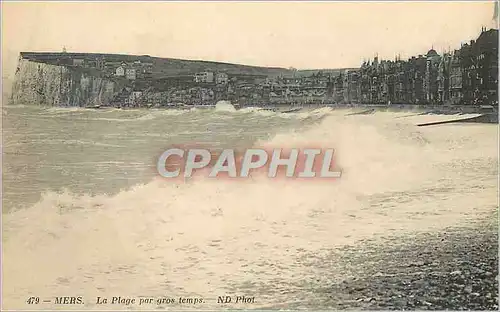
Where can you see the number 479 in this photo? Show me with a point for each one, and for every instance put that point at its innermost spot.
(33, 300)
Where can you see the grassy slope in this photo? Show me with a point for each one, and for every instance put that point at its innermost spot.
(164, 67)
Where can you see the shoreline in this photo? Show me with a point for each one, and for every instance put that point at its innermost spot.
(456, 268)
(486, 115)
(459, 109)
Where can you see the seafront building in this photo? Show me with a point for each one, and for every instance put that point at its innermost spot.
(468, 75)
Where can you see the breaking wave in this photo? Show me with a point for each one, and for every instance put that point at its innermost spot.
(137, 115)
(203, 237)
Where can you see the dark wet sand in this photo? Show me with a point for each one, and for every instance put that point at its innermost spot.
(456, 269)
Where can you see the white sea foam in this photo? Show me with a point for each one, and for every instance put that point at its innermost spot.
(206, 238)
(224, 106)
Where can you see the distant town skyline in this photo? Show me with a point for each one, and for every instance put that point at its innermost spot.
(303, 35)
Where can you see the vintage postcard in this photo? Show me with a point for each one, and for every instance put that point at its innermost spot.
(250, 155)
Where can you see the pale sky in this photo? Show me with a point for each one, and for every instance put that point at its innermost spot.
(284, 34)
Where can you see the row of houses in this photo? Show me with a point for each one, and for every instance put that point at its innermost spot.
(211, 77)
(318, 80)
(195, 95)
(468, 75)
(131, 71)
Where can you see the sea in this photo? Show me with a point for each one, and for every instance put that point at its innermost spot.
(85, 213)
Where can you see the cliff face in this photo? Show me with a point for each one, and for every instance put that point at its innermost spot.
(44, 84)
(90, 79)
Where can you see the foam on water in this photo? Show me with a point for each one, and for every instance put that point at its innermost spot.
(224, 106)
(209, 238)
